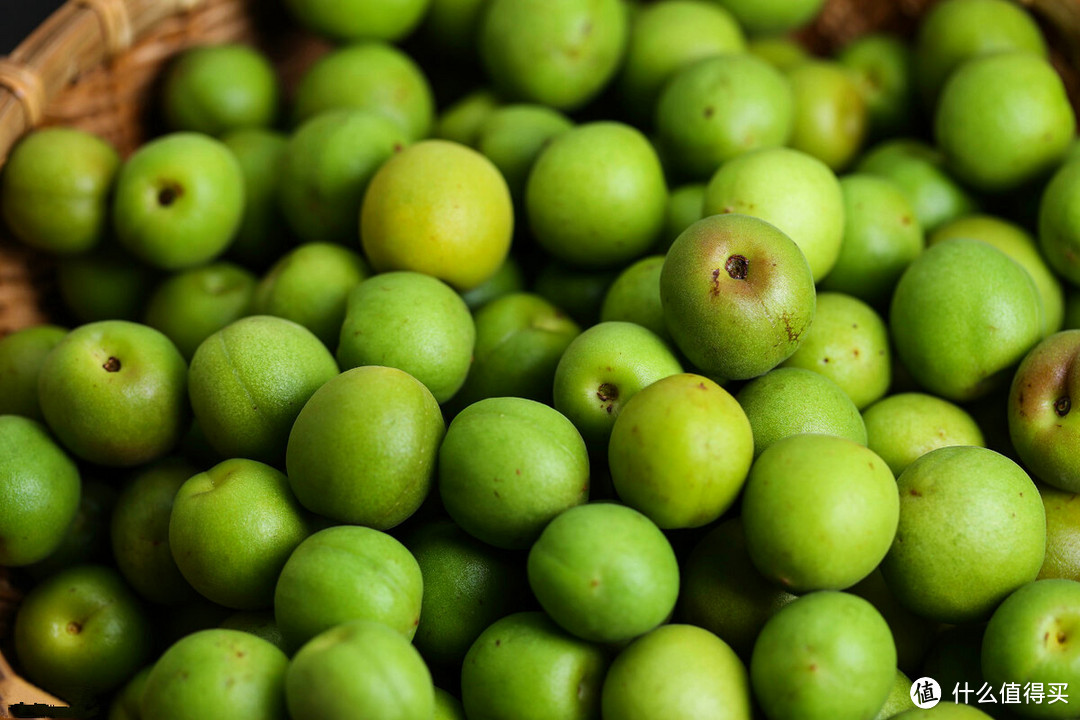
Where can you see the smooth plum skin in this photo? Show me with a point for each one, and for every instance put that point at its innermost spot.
(995, 542)
(761, 17)
(126, 701)
(363, 448)
(526, 667)
(369, 76)
(508, 466)
(941, 311)
(412, 322)
(217, 673)
(1031, 637)
(21, 355)
(358, 574)
(650, 678)
(389, 20)
(724, 593)
(635, 297)
(513, 136)
(81, 633)
(726, 274)
(262, 234)
(140, 532)
(114, 392)
(360, 668)
(558, 53)
(686, 205)
(54, 192)
(1042, 418)
(39, 491)
(461, 121)
(214, 89)
(1058, 213)
(944, 711)
(830, 114)
(902, 428)
(250, 380)
(1062, 535)
(231, 530)
(602, 369)
(438, 208)
(832, 490)
(259, 623)
(881, 64)
(912, 634)
(106, 283)
(826, 655)
(596, 196)
(604, 572)
(508, 279)
(680, 451)
(179, 201)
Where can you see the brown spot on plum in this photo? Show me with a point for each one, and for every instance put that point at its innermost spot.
(737, 267)
(710, 111)
(914, 493)
(74, 628)
(112, 365)
(1062, 406)
(715, 282)
(702, 386)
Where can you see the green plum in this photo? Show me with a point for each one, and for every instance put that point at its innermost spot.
(513, 136)
(527, 668)
(651, 678)
(87, 537)
(104, 284)
(635, 297)
(363, 448)
(1042, 424)
(1031, 638)
(309, 286)
(114, 392)
(55, 188)
(955, 31)
(724, 593)
(441, 209)
(39, 492)
(1058, 210)
(666, 37)
(461, 121)
(789, 189)
(881, 64)
(179, 201)
(520, 338)
(1062, 534)
(360, 19)
(249, 381)
(995, 540)
(728, 273)
(720, 107)
(467, 586)
(127, 701)
(21, 356)
(231, 530)
(912, 634)
(554, 52)
(602, 369)
(357, 573)
(579, 292)
(259, 623)
(359, 669)
(596, 195)
(962, 315)
(213, 89)
(684, 208)
(412, 322)
(604, 572)
(508, 466)
(919, 171)
(1004, 119)
(140, 532)
(882, 236)
(826, 655)
(902, 428)
(369, 76)
(262, 234)
(81, 633)
(899, 698)
(448, 707)
(823, 487)
(849, 344)
(830, 113)
(772, 16)
(783, 52)
(793, 401)
(217, 673)
(192, 305)
(944, 711)
(325, 170)
(680, 451)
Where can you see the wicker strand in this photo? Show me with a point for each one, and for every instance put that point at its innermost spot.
(27, 87)
(115, 23)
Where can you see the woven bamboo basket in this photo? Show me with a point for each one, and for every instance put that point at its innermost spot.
(95, 64)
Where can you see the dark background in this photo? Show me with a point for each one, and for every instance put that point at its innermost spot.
(18, 18)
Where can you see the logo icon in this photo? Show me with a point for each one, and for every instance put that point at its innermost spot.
(925, 693)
